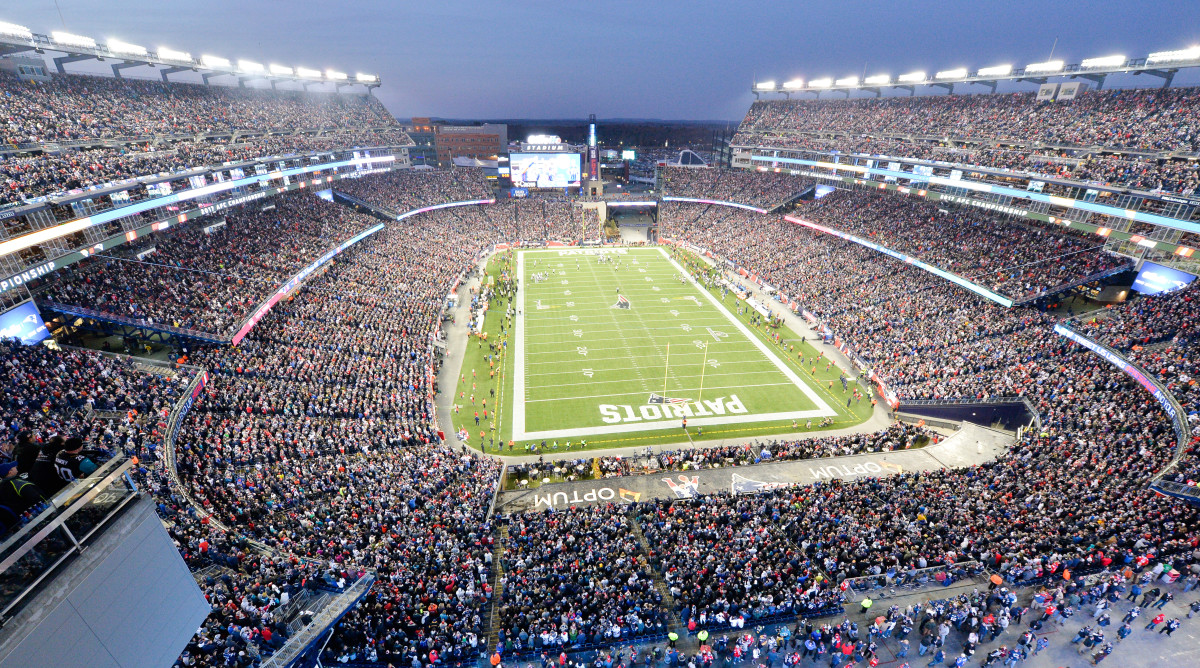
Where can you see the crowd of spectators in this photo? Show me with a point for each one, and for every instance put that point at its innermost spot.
(1171, 316)
(533, 220)
(898, 436)
(209, 281)
(75, 107)
(765, 190)
(1159, 119)
(315, 437)
(53, 404)
(1139, 172)
(575, 578)
(967, 126)
(403, 190)
(728, 562)
(28, 176)
(1019, 259)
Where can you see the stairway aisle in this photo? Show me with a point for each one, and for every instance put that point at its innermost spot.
(492, 628)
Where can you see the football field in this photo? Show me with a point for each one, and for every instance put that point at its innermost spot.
(622, 341)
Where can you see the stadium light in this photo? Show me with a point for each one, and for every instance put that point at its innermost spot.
(1048, 66)
(281, 70)
(1190, 53)
(957, 73)
(68, 39)
(171, 54)
(250, 67)
(794, 83)
(15, 30)
(878, 79)
(847, 81)
(334, 75)
(117, 46)
(1103, 62)
(213, 62)
(308, 73)
(820, 83)
(765, 85)
(997, 71)
(912, 77)
(366, 78)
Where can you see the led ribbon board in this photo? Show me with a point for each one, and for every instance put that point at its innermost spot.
(713, 201)
(1160, 395)
(444, 206)
(1067, 202)
(71, 227)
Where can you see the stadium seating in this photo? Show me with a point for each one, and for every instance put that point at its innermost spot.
(762, 190)
(78, 131)
(209, 282)
(315, 437)
(1151, 120)
(28, 176)
(1019, 259)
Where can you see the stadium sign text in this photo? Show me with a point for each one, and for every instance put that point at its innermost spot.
(612, 414)
(594, 495)
(17, 280)
(991, 206)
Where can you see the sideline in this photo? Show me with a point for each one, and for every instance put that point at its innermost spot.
(969, 446)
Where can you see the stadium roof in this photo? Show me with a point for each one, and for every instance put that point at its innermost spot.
(1162, 64)
(17, 38)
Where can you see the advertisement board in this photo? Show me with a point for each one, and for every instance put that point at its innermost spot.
(23, 322)
(1156, 279)
(544, 170)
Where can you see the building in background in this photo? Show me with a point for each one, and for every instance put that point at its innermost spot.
(421, 132)
(486, 141)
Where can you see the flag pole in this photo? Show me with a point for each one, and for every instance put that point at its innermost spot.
(702, 366)
(665, 370)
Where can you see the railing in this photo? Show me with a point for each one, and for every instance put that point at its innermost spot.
(981, 142)
(174, 422)
(496, 492)
(82, 312)
(32, 554)
(908, 582)
(306, 639)
(1076, 282)
(969, 400)
(1166, 401)
(383, 211)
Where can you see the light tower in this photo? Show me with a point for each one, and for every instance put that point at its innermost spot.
(595, 186)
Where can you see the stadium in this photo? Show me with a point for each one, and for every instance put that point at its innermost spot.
(897, 369)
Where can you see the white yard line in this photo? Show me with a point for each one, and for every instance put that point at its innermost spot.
(732, 347)
(518, 404)
(593, 381)
(674, 390)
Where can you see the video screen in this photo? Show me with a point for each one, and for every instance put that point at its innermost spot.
(1155, 279)
(544, 170)
(25, 323)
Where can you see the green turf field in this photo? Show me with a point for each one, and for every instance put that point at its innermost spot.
(582, 361)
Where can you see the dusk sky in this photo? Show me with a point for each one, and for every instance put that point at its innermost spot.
(647, 59)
